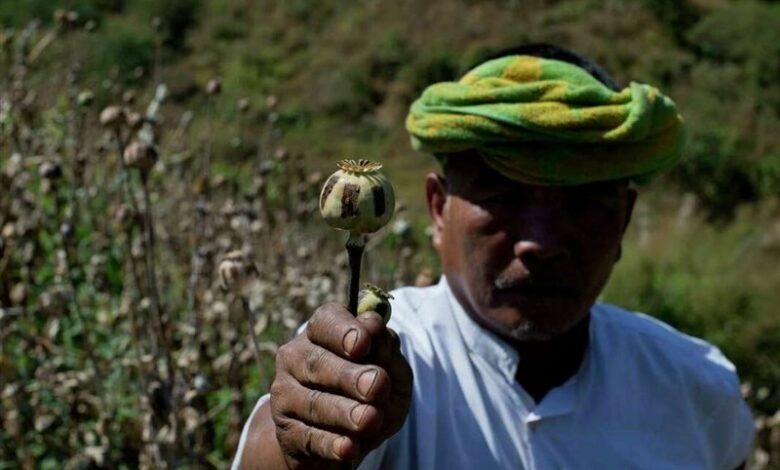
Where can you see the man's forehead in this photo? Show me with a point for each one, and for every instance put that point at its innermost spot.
(467, 172)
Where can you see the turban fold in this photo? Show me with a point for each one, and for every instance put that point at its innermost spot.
(548, 122)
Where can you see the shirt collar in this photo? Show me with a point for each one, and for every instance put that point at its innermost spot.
(501, 355)
(480, 341)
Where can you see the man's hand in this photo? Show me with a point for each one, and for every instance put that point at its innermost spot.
(341, 388)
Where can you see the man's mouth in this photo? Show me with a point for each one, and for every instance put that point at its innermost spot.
(533, 288)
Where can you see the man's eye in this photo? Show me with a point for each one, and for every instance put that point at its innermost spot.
(498, 199)
(592, 203)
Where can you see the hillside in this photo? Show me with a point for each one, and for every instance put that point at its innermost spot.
(101, 264)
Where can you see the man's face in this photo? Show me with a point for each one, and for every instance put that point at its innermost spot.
(526, 262)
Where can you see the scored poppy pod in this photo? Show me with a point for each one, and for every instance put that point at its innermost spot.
(357, 198)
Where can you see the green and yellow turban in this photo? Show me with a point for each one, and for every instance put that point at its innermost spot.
(548, 122)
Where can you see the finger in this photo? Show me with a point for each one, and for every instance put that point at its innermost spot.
(316, 367)
(397, 367)
(335, 329)
(381, 339)
(304, 442)
(332, 412)
(386, 353)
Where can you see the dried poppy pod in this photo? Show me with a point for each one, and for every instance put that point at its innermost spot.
(214, 87)
(50, 170)
(373, 299)
(113, 117)
(243, 105)
(128, 97)
(236, 272)
(125, 217)
(357, 198)
(85, 98)
(140, 155)
(134, 120)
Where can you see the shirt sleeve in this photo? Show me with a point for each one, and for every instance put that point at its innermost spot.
(244, 432)
(731, 432)
(373, 461)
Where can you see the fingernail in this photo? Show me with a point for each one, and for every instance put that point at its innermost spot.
(349, 340)
(338, 446)
(366, 381)
(357, 414)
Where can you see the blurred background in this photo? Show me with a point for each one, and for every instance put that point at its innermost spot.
(143, 140)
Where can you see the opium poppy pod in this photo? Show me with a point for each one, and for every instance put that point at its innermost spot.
(236, 272)
(357, 198)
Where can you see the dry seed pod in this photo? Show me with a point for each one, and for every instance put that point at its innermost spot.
(60, 16)
(71, 17)
(214, 87)
(128, 97)
(373, 299)
(85, 98)
(281, 154)
(243, 105)
(236, 271)
(112, 116)
(49, 170)
(357, 198)
(134, 120)
(140, 155)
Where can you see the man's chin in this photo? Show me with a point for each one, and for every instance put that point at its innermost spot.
(537, 321)
(528, 331)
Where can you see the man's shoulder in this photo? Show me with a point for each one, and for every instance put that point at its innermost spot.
(409, 302)
(685, 359)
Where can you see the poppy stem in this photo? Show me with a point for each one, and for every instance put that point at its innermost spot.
(356, 244)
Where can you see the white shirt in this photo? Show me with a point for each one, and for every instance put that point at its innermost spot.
(645, 397)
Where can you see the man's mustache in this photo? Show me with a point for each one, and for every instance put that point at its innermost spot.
(534, 284)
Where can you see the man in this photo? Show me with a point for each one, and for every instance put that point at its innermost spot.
(509, 362)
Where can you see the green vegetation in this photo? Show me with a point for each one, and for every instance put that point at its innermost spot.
(323, 80)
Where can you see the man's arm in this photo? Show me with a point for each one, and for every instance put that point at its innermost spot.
(264, 451)
(341, 388)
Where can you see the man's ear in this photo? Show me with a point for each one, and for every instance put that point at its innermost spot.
(436, 198)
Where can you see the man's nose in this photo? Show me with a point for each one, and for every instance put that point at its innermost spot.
(541, 240)
(539, 250)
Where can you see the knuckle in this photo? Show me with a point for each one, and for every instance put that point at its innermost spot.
(312, 401)
(284, 431)
(322, 315)
(308, 441)
(347, 374)
(313, 362)
(277, 389)
(283, 355)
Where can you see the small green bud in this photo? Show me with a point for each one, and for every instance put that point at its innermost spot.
(357, 198)
(373, 299)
